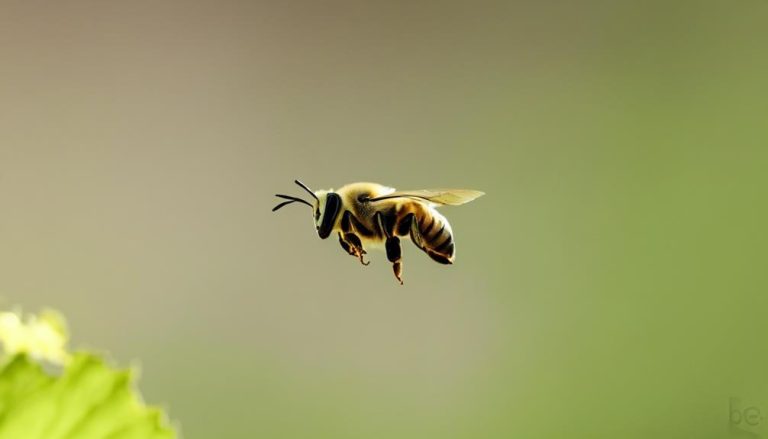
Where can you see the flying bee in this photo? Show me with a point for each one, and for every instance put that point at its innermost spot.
(372, 215)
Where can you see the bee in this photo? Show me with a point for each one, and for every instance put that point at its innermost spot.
(374, 216)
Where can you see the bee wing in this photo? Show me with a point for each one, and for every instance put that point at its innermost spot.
(441, 197)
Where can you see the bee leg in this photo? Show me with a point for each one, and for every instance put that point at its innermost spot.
(353, 251)
(397, 267)
(394, 254)
(345, 245)
(357, 247)
(394, 251)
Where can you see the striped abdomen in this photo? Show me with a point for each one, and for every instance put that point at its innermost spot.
(429, 230)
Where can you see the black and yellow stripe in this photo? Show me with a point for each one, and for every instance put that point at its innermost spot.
(430, 232)
(384, 220)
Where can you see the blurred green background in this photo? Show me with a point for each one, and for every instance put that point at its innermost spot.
(612, 282)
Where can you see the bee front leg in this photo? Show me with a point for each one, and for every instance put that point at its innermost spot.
(345, 245)
(394, 254)
(356, 247)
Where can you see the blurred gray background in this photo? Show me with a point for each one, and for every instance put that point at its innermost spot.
(611, 283)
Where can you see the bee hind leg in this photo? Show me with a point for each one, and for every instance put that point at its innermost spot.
(394, 254)
(356, 247)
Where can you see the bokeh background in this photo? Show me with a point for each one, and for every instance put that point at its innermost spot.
(612, 282)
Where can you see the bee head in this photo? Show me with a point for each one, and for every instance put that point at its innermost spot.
(325, 208)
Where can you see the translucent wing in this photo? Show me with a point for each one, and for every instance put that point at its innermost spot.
(441, 197)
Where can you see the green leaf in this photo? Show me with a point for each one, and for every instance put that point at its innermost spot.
(88, 400)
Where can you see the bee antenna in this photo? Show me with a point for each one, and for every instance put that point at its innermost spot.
(290, 200)
(284, 203)
(306, 189)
